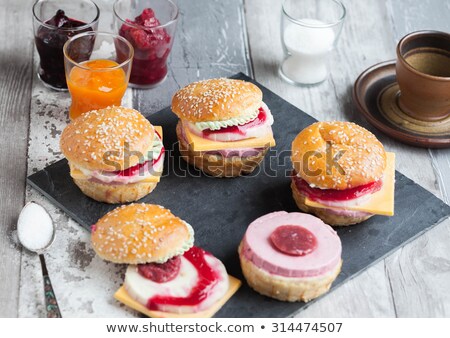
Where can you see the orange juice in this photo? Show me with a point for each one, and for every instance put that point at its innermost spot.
(96, 84)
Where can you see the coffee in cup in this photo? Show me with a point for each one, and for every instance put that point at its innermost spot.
(423, 75)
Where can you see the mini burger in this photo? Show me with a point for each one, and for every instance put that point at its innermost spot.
(342, 173)
(167, 276)
(224, 128)
(290, 256)
(115, 155)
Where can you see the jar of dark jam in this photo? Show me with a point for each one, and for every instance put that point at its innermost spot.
(55, 22)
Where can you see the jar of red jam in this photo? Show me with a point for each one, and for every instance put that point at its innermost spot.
(149, 25)
(55, 22)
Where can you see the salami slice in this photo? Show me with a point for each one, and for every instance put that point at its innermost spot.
(293, 240)
(161, 273)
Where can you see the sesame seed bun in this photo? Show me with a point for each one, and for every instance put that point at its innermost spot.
(216, 100)
(99, 139)
(360, 157)
(115, 193)
(141, 233)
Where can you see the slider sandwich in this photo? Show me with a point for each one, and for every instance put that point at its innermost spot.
(342, 173)
(115, 154)
(167, 276)
(224, 128)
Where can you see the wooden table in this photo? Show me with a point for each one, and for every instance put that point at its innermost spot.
(214, 38)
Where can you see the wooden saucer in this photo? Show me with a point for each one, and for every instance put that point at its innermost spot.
(375, 94)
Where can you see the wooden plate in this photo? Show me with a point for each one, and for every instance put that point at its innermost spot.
(375, 94)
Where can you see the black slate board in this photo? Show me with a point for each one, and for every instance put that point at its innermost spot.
(221, 209)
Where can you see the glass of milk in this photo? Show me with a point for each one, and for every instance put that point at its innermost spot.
(309, 32)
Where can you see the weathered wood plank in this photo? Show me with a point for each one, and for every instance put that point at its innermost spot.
(84, 284)
(210, 42)
(367, 38)
(329, 101)
(420, 273)
(408, 16)
(15, 93)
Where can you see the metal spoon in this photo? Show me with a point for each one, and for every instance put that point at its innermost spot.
(50, 299)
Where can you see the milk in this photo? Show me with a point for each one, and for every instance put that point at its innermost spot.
(309, 48)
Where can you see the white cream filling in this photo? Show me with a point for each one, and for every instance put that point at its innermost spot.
(236, 121)
(348, 203)
(261, 130)
(345, 204)
(142, 289)
(152, 170)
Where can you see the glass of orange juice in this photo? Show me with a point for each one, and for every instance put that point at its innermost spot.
(97, 67)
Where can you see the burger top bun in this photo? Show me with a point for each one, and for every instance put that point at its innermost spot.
(216, 100)
(141, 233)
(110, 139)
(338, 155)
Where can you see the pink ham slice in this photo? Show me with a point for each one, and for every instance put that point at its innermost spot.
(258, 248)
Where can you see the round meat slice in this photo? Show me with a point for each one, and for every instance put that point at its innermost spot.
(293, 240)
(161, 273)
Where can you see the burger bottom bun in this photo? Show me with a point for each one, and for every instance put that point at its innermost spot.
(329, 216)
(291, 289)
(115, 193)
(216, 165)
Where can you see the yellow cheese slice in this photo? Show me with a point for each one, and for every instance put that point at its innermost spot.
(78, 174)
(201, 144)
(159, 130)
(122, 296)
(382, 202)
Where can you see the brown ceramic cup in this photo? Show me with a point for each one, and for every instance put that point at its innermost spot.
(423, 75)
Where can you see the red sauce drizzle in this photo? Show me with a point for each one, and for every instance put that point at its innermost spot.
(333, 194)
(134, 170)
(207, 279)
(259, 120)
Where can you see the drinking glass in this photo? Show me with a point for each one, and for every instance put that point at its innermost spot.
(97, 69)
(55, 22)
(309, 32)
(149, 25)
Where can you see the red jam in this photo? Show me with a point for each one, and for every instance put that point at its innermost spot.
(49, 44)
(293, 240)
(132, 171)
(161, 273)
(207, 279)
(333, 194)
(259, 120)
(94, 227)
(151, 48)
(136, 169)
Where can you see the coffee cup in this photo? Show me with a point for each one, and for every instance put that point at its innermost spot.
(423, 75)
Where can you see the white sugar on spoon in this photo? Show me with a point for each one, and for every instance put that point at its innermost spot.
(35, 227)
(36, 233)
